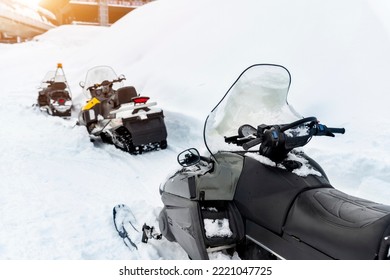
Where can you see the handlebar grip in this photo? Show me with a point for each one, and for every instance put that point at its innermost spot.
(336, 130)
(246, 146)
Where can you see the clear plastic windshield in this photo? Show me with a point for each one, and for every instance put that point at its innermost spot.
(97, 75)
(48, 78)
(258, 96)
(53, 76)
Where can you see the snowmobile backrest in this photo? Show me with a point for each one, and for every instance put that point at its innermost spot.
(125, 94)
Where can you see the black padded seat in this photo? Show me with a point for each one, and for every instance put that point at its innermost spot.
(58, 86)
(340, 225)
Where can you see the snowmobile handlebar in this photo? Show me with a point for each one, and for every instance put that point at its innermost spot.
(106, 83)
(328, 131)
(275, 142)
(251, 143)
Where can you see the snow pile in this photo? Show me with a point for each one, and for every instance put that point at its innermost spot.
(217, 228)
(60, 188)
(304, 170)
(262, 159)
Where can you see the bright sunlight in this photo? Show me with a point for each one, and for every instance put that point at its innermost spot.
(31, 2)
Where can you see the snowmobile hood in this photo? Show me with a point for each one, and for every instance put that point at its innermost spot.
(258, 96)
(97, 75)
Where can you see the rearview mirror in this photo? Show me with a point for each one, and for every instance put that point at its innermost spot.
(188, 157)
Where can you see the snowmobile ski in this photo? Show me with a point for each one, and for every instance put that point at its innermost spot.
(126, 225)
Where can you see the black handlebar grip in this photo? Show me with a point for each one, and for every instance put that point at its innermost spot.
(251, 143)
(336, 130)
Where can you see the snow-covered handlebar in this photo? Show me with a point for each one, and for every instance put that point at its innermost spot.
(277, 140)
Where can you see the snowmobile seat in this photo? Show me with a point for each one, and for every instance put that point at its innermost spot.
(58, 86)
(268, 205)
(125, 94)
(339, 225)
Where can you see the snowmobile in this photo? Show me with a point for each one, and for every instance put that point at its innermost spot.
(257, 194)
(119, 115)
(55, 96)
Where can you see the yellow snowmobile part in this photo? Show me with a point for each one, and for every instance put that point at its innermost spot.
(91, 103)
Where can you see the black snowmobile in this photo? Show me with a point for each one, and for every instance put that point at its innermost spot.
(258, 194)
(118, 115)
(54, 96)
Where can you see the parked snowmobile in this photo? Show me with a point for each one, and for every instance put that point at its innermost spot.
(55, 96)
(258, 194)
(119, 115)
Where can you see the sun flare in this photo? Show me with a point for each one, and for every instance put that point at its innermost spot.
(33, 3)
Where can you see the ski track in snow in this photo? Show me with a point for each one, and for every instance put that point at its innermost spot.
(57, 189)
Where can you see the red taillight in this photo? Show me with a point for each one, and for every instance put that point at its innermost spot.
(140, 99)
(61, 101)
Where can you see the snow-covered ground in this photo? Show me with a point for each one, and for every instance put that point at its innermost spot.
(57, 189)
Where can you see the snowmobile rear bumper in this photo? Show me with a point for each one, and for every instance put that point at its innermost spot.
(150, 130)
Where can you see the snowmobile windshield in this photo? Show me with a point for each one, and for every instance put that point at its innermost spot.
(258, 96)
(52, 77)
(48, 78)
(97, 75)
